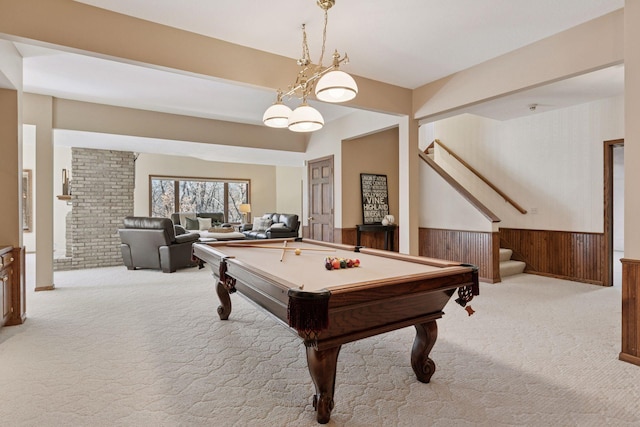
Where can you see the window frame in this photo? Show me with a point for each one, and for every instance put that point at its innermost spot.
(178, 178)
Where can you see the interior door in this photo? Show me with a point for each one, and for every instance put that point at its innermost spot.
(320, 210)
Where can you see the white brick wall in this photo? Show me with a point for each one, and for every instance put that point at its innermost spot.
(102, 195)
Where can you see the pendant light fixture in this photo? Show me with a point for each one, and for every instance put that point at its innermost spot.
(336, 85)
(277, 116)
(330, 84)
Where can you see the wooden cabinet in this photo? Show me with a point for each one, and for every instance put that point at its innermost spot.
(6, 283)
(12, 296)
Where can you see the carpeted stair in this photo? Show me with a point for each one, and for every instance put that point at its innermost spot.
(509, 267)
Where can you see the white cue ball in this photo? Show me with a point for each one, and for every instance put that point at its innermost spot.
(298, 251)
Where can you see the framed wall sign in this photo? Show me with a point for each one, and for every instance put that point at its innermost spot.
(375, 198)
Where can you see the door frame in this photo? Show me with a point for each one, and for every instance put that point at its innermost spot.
(608, 208)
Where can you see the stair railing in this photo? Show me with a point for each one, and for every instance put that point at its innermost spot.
(479, 175)
(459, 188)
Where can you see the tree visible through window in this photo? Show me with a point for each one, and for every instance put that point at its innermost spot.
(172, 194)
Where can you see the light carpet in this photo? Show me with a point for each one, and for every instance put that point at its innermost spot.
(112, 347)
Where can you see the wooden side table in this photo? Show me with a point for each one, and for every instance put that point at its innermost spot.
(389, 231)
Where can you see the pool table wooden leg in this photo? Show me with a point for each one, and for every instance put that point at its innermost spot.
(426, 335)
(322, 367)
(224, 309)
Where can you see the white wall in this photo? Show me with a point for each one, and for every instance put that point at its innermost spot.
(550, 163)
(441, 205)
(452, 212)
(61, 160)
(289, 190)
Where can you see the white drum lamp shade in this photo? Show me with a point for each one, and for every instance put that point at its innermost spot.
(305, 119)
(277, 116)
(336, 86)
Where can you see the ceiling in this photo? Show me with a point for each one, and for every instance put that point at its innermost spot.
(407, 46)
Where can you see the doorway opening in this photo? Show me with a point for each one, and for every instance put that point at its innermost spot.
(614, 209)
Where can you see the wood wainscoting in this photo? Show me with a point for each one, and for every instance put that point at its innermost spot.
(630, 311)
(576, 256)
(373, 240)
(474, 247)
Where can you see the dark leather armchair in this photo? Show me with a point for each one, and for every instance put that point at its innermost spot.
(152, 243)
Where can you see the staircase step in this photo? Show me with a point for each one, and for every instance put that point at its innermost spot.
(509, 268)
(505, 254)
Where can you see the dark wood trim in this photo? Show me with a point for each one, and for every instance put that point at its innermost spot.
(18, 295)
(374, 240)
(459, 188)
(608, 206)
(629, 359)
(474, 247)
(630, 311)
(495, 258)
(345, 235)
(570, 255)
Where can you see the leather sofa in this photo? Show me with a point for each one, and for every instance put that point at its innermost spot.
(152, 243)
(272, 226)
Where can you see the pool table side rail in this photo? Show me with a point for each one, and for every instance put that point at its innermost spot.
(259, 286)
(410, 258)
(250, 243)
(403, 285)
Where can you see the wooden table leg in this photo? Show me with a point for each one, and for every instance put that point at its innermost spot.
(322, 367)
(426, 335)
(225, 285)
(224, 309)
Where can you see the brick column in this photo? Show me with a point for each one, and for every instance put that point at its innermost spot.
(102, 187)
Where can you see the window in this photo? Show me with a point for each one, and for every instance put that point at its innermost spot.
(174, 194)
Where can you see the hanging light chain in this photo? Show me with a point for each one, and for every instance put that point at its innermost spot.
(304, 83)
(324, 37)
(306, 57)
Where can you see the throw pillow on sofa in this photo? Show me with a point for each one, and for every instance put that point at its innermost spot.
(183, 217)
(261, 224)
(191, 224)
(204, 223)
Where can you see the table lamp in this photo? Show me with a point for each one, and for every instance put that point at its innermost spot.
(244, 208)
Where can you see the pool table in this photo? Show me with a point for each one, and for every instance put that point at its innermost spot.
(331, 307)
